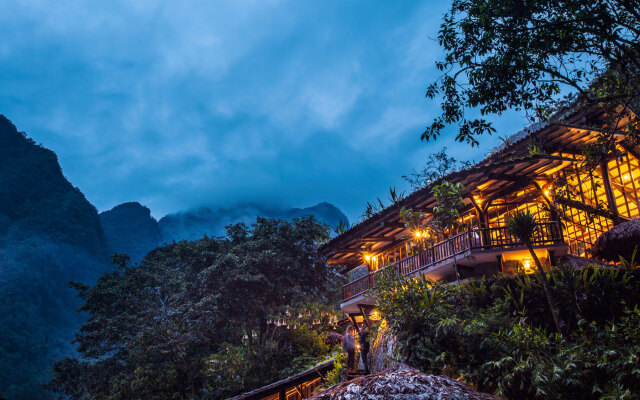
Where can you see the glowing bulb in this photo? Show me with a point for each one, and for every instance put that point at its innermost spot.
(418, 234)
(626, 177)
(367, 257)
(375, 315)
(526, 262)
(546, 192)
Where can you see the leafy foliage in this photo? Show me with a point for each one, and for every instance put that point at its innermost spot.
(334, 376)
(445, 220)
(341, 228)
(411, 218)
(438, 166)
(49, 234)
(202, 319)
(498, 334)
(522, 225)
(373, 208)
(502, 54)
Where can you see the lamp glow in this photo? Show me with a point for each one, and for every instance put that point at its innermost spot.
(526, 263)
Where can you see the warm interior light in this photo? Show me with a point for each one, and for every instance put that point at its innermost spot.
(375, 315)
(526, 263)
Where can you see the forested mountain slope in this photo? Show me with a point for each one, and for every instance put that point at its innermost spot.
(131, 229)
(49, 235)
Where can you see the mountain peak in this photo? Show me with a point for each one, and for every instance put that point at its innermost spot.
(131, 229)
(196, 223)
(35, 197)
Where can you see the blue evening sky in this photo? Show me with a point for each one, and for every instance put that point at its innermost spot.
(188, 103)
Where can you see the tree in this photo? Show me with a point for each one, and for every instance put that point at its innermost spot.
(523, 225)
(445, 219)
(270, 267)
(524, 54)
(182, 323)
(438, 166)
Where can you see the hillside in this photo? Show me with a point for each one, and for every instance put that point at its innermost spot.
(194, 224)
(131, 229)
(49, 235)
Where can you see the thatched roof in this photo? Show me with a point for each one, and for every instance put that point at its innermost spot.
(402, 382)
(334, 338)
(619, 241)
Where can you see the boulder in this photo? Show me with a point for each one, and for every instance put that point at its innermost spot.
(402, 382)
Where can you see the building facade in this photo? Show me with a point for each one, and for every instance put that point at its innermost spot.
(541, 170)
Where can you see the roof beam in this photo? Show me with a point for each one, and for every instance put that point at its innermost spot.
(506, 190)
(377, 239)
(584, 207)
(588, 129)
(395, 225)
(347, 250)
(390, 246)
(512, 177)
(629, 149)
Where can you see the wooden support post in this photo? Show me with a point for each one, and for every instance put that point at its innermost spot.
(611, 198)
(483, 221)
(500, 266)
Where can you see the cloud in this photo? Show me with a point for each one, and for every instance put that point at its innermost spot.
(178, 105)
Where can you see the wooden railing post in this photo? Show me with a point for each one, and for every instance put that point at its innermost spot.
(548, 232)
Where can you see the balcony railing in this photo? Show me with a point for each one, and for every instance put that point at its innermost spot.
(476, 239)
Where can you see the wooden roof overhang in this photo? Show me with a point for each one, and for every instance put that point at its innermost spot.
(505, 171)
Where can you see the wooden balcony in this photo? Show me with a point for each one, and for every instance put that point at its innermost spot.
(472, 240)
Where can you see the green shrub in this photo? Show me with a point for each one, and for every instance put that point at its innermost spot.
(498, 335)
(334, 376)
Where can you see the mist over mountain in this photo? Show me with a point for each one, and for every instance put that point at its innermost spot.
(194, 224)
(131, 229)
(49, 235)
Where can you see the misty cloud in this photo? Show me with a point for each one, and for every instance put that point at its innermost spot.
(178, 105)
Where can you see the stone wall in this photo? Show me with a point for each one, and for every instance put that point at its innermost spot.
(383, 349)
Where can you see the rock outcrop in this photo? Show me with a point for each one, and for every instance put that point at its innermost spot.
(402, 382)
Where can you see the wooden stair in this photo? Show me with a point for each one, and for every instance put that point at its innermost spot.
(352, 374)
